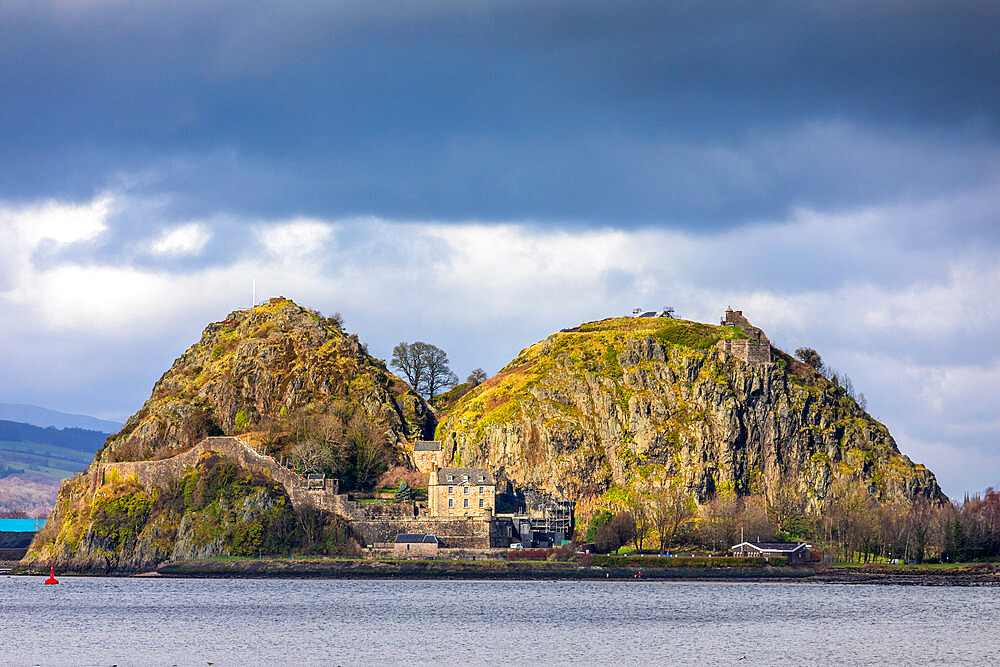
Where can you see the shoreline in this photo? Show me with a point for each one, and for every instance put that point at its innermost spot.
(972, 575)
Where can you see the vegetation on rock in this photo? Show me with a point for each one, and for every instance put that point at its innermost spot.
(216, 508)
(261, 366)
(644, 404)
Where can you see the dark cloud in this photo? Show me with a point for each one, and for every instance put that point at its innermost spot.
(593, 113)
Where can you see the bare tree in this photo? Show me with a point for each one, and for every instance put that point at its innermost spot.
(313, 455)
(616, 533)
(425, 367)
(408, 358)
(638, 508)
(439, 376)
(671, 507)
(787, 507)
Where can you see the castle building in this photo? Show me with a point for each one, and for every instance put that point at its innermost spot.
(426, 454)
(754, 349)
(461, 492)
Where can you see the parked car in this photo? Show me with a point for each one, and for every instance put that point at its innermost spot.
(517, 545)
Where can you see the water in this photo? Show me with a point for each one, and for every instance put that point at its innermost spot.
(104, 621)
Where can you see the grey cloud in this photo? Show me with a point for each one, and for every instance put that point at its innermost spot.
(631, 113)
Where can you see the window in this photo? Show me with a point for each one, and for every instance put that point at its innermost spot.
(482, 478)
(423, 457)
(466, 490)
(465, 503)
(451, 502)
(465, 478)
(451, 489)
(451, 478)
(482, 490)
(482, 502)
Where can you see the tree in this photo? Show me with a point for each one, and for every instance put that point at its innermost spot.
(439, 375)
(616, 533)
(599, 519)
(425, 367)
(671, 507)
(637, 507)
(313, 455)
(787, 508)
(476, 377)
(404, 493)
(810, 356)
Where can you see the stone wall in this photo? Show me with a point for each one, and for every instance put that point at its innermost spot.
(755, 349)
(748, 351)
(159, 473)
(457, 533)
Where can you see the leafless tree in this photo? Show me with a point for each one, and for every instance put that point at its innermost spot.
(671, 507)
(425, 367)
(312, 455)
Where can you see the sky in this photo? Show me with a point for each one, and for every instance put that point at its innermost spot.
(479, 175)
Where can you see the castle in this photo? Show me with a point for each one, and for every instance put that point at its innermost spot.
(754, 349)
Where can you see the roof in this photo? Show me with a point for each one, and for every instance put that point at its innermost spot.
(21, 525)
(778, 547)
(476, 476)
(427, 446)
(416, 538)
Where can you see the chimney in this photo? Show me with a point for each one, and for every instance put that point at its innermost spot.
(432, 478)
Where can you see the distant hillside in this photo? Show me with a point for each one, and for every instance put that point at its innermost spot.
(70, 438)
(34, 460)
(38, 416)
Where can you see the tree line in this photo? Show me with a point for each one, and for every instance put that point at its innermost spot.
(850, 523)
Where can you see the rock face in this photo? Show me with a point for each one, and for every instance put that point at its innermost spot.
(259, 364)
(254, 367)
(632, 402)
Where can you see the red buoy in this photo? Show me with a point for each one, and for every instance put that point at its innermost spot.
(52, 575)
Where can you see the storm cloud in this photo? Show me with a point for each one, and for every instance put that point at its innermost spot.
(482, 174)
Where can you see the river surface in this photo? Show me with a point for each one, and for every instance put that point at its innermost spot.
(159, 621)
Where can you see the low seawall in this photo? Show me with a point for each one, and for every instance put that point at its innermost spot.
(485, 570)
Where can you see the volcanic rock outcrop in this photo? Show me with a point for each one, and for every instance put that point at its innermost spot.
(640, 402)
(258, 368)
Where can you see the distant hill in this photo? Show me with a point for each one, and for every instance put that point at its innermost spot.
(34, 460)
(39, 416)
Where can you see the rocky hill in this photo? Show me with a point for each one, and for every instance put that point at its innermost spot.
(638, 402)
(259, 365)
(278, 370)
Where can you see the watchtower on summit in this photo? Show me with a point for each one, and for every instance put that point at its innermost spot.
(754, 349)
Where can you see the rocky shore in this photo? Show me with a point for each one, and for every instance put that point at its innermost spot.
(965, 575)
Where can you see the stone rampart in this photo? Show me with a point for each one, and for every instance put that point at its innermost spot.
(457, 533)
(159, 473)
(748, 351)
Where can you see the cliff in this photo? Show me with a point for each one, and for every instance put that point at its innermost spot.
(154, 492)
(639, 402)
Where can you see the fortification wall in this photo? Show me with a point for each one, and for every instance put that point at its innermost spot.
(458, 533)
(159, 473)
(748, 351)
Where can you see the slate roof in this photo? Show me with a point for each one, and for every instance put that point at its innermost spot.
(416, 538)
(476, 476)
(427, 446)
(779, 547)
